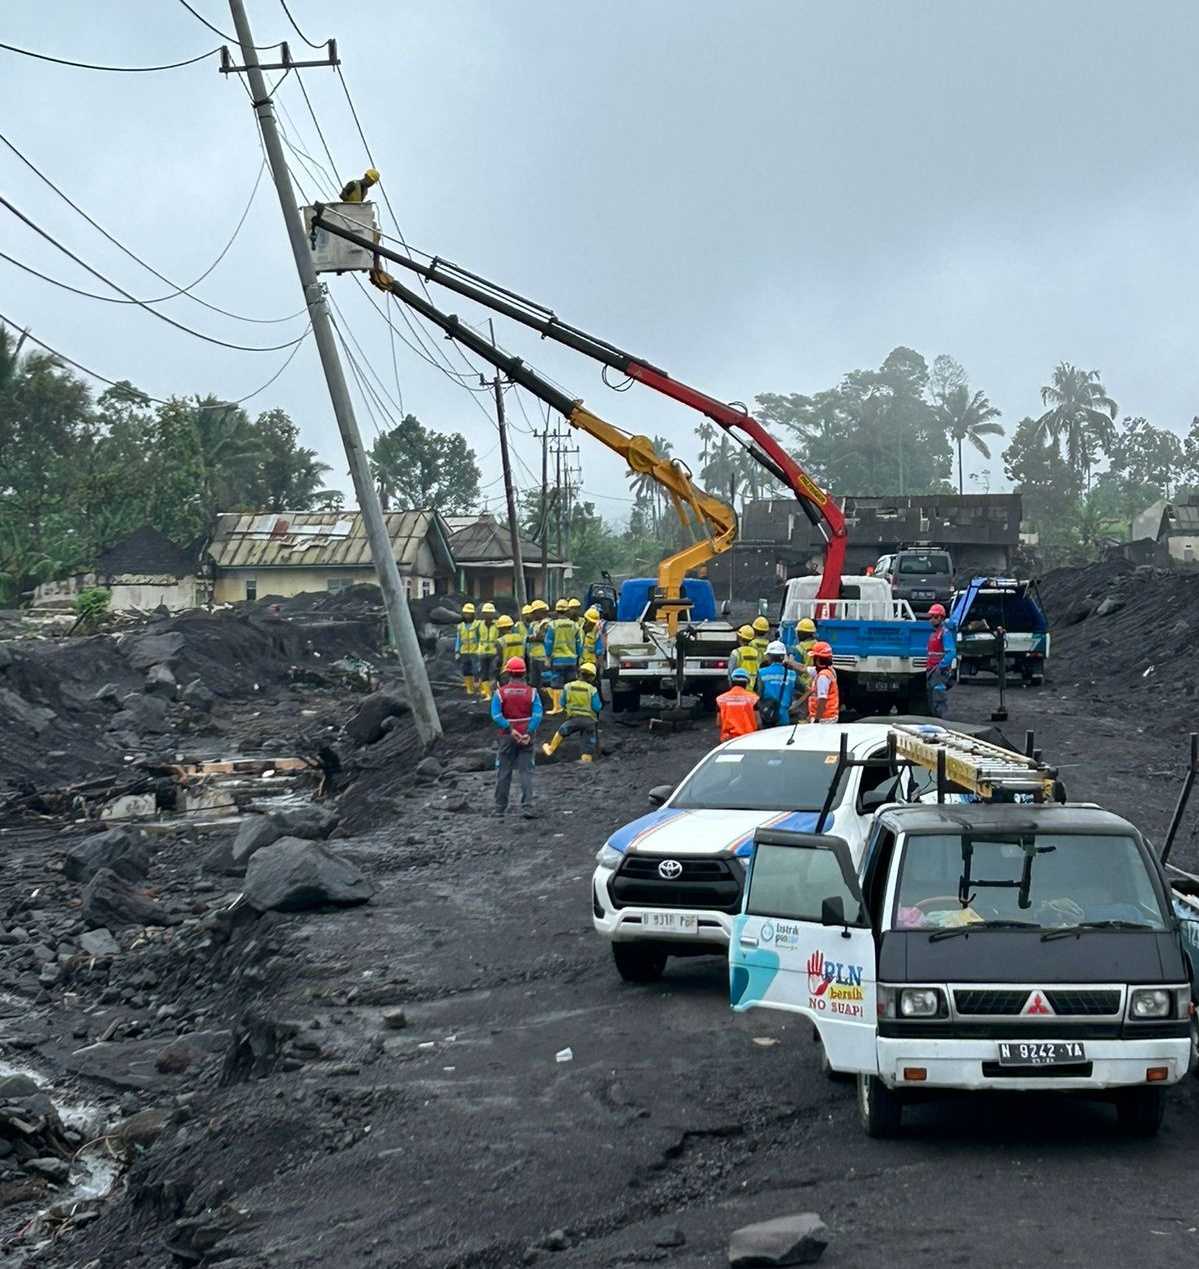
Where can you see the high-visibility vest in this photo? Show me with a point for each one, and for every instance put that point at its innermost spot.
(488, 634)
(746, 657)
(579, 699)
(537, 639)
(521, 629)
(591, 640)
(565, 645)
(468, 638)
(736, 712)
(760, 642)
(510, 644)
(516, 705)
(828, 709)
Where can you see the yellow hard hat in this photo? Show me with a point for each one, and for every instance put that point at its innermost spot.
(527, 610)
(468, 610)
(561, 606)
(761, 625)
(539, 605)
(371, 175)
(505, 621)
(807, 625)
(592, 614)
(574, 602)
(587, 668)
(746, 632)
(489, 607)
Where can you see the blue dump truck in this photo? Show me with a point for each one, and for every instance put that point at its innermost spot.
(993, 604)
(641, 658)
(879, 647)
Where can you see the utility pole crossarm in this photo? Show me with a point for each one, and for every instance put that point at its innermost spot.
(403, 631)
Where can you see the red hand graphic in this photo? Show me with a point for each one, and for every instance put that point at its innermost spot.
(817, 983)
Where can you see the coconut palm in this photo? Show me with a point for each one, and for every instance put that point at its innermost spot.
(1080, 412)
(707, 441)
(967, 417)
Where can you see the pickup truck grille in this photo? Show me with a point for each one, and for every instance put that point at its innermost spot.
(1066, 1002)
(705, 884)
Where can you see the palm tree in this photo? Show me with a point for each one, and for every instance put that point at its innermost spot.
(645, 487)
(707, 440)
(1081, 411)
(968, 418)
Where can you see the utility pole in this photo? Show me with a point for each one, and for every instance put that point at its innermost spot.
(545, 514)
(518, 565)
(558, 486)
(403, 631)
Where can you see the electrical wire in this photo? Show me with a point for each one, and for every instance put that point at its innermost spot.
(216, 30)
(162, 317)
(162, 277)
(316, 124)
(296, 28)
(366, 360)
(115, 383)
(120, 70)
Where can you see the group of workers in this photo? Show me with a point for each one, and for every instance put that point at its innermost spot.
(512, 662)
(770, 684)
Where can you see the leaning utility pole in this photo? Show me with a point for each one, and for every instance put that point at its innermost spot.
(545, 513)
(518, 565)
(403, 631)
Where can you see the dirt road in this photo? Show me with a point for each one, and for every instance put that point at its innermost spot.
(458, 1139)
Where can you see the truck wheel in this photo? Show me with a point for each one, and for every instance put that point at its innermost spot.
(625, 701)
(879, 1109)
(1139, 1111)
(638, 964)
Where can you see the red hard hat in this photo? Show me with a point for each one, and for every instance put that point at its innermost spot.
(822, 649)
(937, 610)
(515, 665)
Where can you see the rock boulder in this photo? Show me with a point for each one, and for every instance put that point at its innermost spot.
(111, 902)
(787, 1240)
(120, 849)
(291, 875)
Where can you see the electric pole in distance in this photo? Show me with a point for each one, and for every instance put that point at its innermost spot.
(518, 564)
(403, 631)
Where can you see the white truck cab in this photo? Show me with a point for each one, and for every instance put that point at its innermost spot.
(974, 946)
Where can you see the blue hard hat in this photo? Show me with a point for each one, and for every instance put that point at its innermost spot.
(740, 676)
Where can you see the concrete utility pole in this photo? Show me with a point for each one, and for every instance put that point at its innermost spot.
(545, 513)
(518, 565)
(403, 632)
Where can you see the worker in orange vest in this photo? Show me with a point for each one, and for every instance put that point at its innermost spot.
(824, 698)
(736, 709)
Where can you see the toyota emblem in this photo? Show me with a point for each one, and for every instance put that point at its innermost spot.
(670, 869)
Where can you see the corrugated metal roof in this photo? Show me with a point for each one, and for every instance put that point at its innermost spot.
(1183, 516)
(314, 539)
(484, 540)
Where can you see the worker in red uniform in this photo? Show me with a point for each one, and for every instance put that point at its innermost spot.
(516, 711)
(824, 698)
(736, 708)
(938, 671)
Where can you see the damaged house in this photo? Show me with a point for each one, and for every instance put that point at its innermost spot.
(289, 553)
(141, 572)
(482, 549)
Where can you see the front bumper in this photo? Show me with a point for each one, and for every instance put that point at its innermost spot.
(627, 925)
(960, 1064)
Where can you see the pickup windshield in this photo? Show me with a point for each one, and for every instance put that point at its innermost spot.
(1040, 880)
(921, 565)
(759, 780)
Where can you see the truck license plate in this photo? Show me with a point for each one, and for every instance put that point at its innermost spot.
(924, 594)
(1042, 1053)
(670, 922)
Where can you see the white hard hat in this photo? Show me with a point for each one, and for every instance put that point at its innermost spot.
(775, 648)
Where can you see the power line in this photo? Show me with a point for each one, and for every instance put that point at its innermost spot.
(162, 317)
(296, 28)
(217, 30)
(115, 383)
(121, 70)
(162, 277)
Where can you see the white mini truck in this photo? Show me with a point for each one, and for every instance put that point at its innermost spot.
(975, 946)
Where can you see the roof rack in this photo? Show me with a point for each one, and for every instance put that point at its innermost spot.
(986, 770)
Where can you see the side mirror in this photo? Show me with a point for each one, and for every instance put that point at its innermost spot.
(832, 911)
(878, 797)
(659, 793)
(726, 608)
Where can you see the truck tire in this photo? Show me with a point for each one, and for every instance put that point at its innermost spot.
(625, 700)
(1139, 1111)
(637, 964)
(879, 1108)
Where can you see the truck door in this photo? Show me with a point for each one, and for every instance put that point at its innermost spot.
(803, 943)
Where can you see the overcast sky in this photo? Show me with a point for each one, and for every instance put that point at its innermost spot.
(755, 196)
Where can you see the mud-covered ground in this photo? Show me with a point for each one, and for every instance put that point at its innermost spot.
(311, 1128)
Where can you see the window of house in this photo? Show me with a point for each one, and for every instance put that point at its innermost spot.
(251, 587)
(335, 585)
(426, 586)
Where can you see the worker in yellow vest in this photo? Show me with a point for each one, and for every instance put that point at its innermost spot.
(761, 628)
(466, 647)
(509, 643)
(539, 618)
(488, 637)
(746, 657)
(563, 646)
(583, 704)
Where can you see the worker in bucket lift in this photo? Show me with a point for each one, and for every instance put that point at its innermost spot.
(746, 656)
(539, 619)
(735, 709)
(356, 191)
(516, 711)
(488, 637)
(824, 698)
(583, 705)
(776, 685)
(466, 647)
(510, 642)
(761, 629)
(563, 647)
(942, 651)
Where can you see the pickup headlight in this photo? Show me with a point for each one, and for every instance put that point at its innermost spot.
(608, 857)
(1151, 1002)
(919, 1002)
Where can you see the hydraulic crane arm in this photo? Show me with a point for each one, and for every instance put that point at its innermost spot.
(714, 522)
(818, 506)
